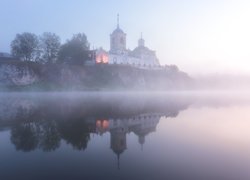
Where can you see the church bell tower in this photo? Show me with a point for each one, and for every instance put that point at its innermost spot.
(118, 40)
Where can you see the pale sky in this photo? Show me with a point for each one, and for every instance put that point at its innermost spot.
(199, 36)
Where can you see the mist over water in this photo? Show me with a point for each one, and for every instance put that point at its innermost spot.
(174, 135)
(225, 82)
(95, 90)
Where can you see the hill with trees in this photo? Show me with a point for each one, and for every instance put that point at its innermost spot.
(43, 63)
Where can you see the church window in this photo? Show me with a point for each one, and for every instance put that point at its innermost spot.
(121, 40)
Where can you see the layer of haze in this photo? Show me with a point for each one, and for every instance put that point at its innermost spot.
(199, 36)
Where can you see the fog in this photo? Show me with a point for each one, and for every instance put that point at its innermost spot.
(175, 135)
(140, 89)
(225, 82)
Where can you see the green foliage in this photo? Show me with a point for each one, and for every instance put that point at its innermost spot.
(75, 51)
(49, 46)
(25, 46)
(48, 49)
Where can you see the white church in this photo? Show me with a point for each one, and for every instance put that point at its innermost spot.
(141, 56)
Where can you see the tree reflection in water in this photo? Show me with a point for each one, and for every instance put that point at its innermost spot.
(43, 122)
(25, 136)
(76, 133)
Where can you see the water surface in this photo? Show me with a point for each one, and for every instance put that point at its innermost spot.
(125, 136)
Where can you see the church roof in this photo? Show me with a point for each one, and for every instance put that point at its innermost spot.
(118, 30)
(118, 151)
(142, 50)
(143, 132)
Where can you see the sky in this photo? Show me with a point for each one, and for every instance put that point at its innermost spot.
(199, 36)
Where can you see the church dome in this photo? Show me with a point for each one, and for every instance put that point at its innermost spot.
(118, 30)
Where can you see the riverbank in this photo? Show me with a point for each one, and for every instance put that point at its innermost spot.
(32, 76)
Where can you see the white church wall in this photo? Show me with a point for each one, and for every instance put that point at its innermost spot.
(129, 60)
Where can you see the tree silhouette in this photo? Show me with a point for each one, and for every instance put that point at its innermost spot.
(24, 136)
(50, 45)
(49, 136)
(75, 132)
(25, 46)
(75, 51)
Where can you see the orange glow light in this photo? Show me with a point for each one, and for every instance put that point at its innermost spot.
(105, 124)
(98, 123)
(102, 58)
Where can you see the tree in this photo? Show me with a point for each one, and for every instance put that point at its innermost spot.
(50, 45)
(75, 51)
(75, 132)
(49, 136)
(25, 46)
(25, 137)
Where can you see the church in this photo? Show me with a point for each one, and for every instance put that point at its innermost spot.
(141, 56)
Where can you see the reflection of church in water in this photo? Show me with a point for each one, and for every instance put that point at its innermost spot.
(140, 125)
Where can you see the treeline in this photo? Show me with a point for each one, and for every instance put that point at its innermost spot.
(47, 48)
